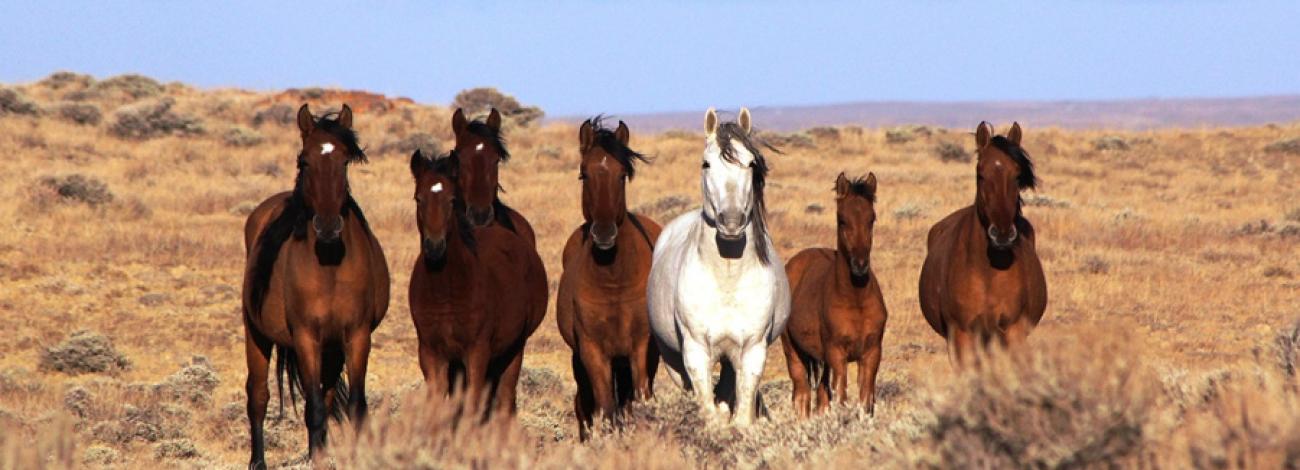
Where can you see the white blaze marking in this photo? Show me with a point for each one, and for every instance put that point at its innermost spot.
(479, 147)
(437, 188)
(326, 148)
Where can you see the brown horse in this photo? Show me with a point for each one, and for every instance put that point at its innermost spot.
(601, 304)
(982, 279)
(480, 149)
(837, 314)
(477, 293)
(315, 286)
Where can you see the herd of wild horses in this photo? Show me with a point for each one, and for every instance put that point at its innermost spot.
(707, 289)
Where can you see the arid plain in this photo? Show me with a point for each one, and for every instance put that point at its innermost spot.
(1170, 339)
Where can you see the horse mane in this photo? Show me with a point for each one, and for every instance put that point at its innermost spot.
(293, 218)
(728, 132)
(860, 187)
(1027, 178)
(498, 141)
(607, 140)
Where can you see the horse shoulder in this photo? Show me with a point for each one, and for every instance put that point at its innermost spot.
(572, 249)
(652, 228)
(805, 272)
(525, 229)
(262, 215)
(565, 296)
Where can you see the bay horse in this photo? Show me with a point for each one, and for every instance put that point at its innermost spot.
(982, 279)
(837, 314)
(601, 304)
(315, 285)
(476, 294)
(480, 149)
(717, 292)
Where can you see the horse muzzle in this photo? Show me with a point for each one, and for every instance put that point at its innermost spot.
(860, 267)
(604, 235)
(327, 231)
(1002, 239)
(434, 249)
(731, 225)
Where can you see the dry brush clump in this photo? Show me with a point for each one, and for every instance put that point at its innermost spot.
(153, 119)
(1071, 405)
(84, 352)
(15, 102)
(479, 100)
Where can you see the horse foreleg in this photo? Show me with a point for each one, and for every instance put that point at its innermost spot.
(600, 376)
(584, 404)
(961, 347)
(476, 366)
(507, 385)
(257, 349)
(308, 352)
(358, 358)
(644, 361)
(800, 389)
(750, 369)
(837, 360)
(699, 366)
(868, 365)
(435, 369)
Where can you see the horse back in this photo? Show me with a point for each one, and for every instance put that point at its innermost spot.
(268, 319)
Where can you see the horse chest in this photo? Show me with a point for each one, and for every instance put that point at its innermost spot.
(994, 297)
(726, 304)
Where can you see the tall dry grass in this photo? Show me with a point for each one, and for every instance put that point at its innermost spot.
(1171, 261)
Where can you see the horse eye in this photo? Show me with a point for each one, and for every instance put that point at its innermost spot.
(582, 176)
(706, 165)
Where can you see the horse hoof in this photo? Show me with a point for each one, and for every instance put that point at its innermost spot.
(258, 465)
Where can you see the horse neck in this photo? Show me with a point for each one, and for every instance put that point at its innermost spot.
(976, 240)
(632, 247)
(706, 244)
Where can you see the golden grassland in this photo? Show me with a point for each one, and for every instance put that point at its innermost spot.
(1173, 266)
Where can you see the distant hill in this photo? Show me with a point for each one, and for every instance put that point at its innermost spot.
(1119, 114)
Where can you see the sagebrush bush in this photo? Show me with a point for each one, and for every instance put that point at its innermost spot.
(63, 80)
(280, 114)
(79, 113)
(480, 100)
(130, 86)
(78, 188)
(427, 144)
(904, 134)
(17, 103)
(1082, 403)
(84, 352)
(239, 136)
(1110, 143)
(1287, 146)
(950, 152)
(194, 383)
(666, 208)
(153, 119)
(792, 140)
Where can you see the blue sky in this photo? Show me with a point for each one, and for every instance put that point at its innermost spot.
(583, 57)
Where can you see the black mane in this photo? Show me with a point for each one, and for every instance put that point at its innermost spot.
(608, 140)
(293, 219)
(860, 187)
(481, 129)
(1027, 178)
(726, 133)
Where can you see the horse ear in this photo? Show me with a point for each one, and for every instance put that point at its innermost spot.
(458, 122)
(494, 120)
(841, 186)
(871, 183)
(418, 164)
(744, 119)
(983, 134)
(1014, 134)
(710, 122)
(586, 135)
(345, 117)
(306, 122)
(622, 133)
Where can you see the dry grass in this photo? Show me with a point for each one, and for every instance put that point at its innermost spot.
(1165, 342)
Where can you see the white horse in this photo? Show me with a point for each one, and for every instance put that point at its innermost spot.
(717, 290)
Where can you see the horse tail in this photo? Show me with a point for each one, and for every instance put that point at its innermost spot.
(287, 371)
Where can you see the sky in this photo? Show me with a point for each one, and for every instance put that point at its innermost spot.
(584, 57)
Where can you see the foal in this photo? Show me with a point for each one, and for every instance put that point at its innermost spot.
(837, 314)
(601, 305)
(476, 294)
